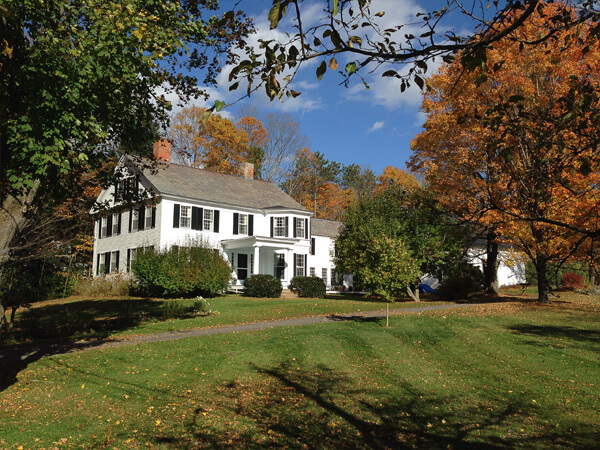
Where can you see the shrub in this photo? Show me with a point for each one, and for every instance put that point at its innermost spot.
(461, 280)
(200, 307)
(571, 281)
(308, 287)
(263, 286)
(173, 309)
(181, 272)
(116, 285)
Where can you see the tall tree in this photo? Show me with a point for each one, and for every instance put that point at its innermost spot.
(215, 143)
(393, 176)
(77, 74)
(281, 146)
(516, 141)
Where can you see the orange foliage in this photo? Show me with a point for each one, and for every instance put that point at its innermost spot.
(393, 175)
(514, 144)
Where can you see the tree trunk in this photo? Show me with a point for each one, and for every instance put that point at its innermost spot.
(12, 219)
(542, 280)
(1, 318)
(491, 264)
(592, 273)
(413, 294)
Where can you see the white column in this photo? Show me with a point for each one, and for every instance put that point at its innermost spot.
(256, 265)
(289, 263)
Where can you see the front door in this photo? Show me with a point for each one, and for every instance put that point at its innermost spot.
(242, 266)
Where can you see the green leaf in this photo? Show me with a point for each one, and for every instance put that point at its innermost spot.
(390, 73)
(351, 68)
(275, 14)
(336, 7)
(219, 105)
(321, 70)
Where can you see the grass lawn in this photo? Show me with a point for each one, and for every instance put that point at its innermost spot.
(74, 318)
(498, 375)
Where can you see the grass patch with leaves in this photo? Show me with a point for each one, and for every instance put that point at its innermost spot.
(77, 318)
(500, 375)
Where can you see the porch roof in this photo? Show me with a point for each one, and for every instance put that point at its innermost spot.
(264, 241)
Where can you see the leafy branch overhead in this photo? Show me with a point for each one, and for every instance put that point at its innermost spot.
(368, 43)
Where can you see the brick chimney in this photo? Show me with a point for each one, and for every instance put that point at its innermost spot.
(247, 170)
(162, 150)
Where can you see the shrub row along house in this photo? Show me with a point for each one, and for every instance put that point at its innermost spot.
(256, 226)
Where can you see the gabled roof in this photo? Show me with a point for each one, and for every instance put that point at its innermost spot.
(327, 228)
(198, 184)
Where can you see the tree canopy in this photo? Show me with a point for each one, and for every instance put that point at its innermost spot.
(514, 142)
(368, 42)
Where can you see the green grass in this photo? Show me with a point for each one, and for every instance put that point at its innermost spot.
(74, 319)
(498, 375)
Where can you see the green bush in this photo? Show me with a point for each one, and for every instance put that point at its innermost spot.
(263, 286)
(460, 281)
(308, 287)
(181, 272)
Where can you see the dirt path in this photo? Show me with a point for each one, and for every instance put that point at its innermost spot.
(31, 352)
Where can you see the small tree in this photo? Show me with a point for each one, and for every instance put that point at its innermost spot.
(383, 264)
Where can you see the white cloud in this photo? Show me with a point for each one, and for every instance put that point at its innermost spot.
(376, 126)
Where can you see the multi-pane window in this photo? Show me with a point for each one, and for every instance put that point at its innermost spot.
(208, 219)
(300, 268)
(104, 227)
(279, 265)
(279, 226)
(148, 213)
(313, 273)
(185, 220)
(114, 262)
(116, 224)
(334, 281)
(243, 224)
(300, 228)
(131, 254)
(324, 275)
(135, 219)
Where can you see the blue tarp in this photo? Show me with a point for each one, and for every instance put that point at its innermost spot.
(426, 288)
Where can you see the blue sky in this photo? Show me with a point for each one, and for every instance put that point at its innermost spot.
(349, 125)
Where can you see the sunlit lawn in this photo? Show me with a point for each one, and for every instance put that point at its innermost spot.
(499, 375)
(80, 318)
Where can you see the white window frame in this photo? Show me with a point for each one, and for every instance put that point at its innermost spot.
(300, 229)
(208, 219)
(300, 269)
(279, 226)
(135, 220)
(114, 261)
(103, 227)
(115, 223)
(243, 224)
(185, 217)
(324, 274)
(313, 272)
(148, 219)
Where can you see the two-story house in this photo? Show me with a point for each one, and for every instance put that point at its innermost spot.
(255, 225)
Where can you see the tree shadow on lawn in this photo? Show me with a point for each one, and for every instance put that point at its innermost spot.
(53, 328)
(291, 407)
(566, 332)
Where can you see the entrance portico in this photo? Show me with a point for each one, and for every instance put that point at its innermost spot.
(283, 258)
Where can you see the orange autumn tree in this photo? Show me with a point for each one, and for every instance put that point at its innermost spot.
(395, 176)
(514, 142)
(216, 144)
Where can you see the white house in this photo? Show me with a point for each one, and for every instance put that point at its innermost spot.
(255, 225)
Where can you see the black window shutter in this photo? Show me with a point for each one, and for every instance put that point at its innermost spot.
(312, 246)
(305, 263)
(107, 262)
(118, 257)
(109, 224)
(141, 217)
(295, 266)
(271, 226)
(250, 224)
(216, 221)
(196, 218)
(236, 220)
(153, 216)
(287, 227)
(119, 223)
(98, 264)
(99, 222)
(295, 227)
(130, 220)
(306, 233)
(176, 213)
(128, 260)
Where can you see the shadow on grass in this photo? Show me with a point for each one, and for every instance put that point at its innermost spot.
(354, 318)
(54, 328)
(557, 332)
(294, 408)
